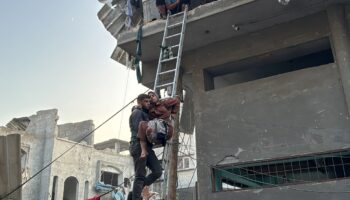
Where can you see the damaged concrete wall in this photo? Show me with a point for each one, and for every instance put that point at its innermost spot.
(10, 165)
(39, 137)
(304, 111)
(115, 144)
(40, 145)
(76, 131)
(37, 142)
(82, 163)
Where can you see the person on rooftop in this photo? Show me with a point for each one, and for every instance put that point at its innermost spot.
(174, 6)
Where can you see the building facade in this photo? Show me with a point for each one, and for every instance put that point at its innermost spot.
(78, 170)
(271, 95)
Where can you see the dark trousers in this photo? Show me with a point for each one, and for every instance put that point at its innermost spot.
(151, 162)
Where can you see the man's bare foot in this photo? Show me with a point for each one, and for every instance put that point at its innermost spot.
(146, 194)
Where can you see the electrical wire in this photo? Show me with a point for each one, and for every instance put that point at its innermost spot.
(124, 99)
(66, 151)
(119, 184)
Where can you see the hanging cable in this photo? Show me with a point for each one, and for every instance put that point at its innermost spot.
(125, 92)
(50, 163)
(120, 183)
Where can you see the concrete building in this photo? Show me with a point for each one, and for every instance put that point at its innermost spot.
(10, 166)
(271, 95)
(115, 144)
(81, 172)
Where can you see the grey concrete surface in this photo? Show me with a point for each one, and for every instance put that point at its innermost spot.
(77, 131)
(294, 113)
(341, 45)
(10, 166)
(289, 114)
(297, 32)
(213, 22)
(299, 112)
(115, 144)
(41, 144)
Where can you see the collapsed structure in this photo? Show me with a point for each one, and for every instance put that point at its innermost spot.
(269, 84)
(86, 170)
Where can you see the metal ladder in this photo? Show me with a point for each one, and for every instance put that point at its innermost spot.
(168, 71)
(169, 63)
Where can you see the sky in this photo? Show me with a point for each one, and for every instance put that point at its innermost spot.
(57, 55)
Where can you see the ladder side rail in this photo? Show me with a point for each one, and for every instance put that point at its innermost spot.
(179, 55)
(166, 170)
(165, 150)
(161, 54)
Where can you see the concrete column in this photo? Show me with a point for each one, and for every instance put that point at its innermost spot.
(340, 39)
(60, 187)
(117, 147)
(10, 166)
(347, 14)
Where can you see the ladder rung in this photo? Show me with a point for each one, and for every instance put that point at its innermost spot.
(180, 13)
(175, 25)
(171, 36)
(175, 46)
(166, 72)
(169, 59)
(164, 85)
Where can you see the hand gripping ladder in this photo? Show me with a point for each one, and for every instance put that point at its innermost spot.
(168, 71)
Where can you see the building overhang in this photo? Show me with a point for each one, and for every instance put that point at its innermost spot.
(220, 20)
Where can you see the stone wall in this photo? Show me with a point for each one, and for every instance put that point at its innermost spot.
(39, 138)
(82, 163)
(77, 131)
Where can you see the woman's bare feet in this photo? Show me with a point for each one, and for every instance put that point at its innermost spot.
(146, 194)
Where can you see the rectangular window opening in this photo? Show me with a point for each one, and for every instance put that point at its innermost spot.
(183, 163)
(274, 173)
(307, 55)
(109, 178)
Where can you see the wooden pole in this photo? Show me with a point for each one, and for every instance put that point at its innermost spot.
(172, 180)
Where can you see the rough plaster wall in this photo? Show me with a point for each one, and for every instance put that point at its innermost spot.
(296, 32)
(76, 131)
(10, 164)
(39, 137)
(81, 162)
(280, 36)
(186, 193)
(186, 178)
(289, 114)
(272, 117)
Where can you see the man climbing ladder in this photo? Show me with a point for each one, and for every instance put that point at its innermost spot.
(167, 77)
